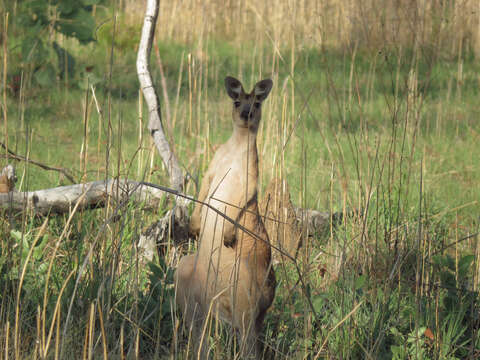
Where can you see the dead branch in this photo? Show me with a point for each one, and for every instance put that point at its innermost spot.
(12, 155)
(90, 195)
(146, 83)
(315, 221)
(177, 179)
(172, 226)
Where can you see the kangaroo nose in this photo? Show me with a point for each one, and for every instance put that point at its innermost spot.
(246, 112)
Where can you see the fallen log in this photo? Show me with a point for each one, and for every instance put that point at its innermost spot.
(288, 226)
(315, 222)
(174, 225)
(90, 195)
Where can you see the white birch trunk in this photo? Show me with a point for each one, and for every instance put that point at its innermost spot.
(150, 95)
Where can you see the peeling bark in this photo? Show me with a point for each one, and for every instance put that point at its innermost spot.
(151, 98)
(163, 227)
(91, 195)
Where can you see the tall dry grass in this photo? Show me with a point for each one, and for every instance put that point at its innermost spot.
(370, 24)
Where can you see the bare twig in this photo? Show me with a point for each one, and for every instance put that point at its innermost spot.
(17, 157)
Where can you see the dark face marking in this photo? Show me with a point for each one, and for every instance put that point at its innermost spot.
(247, 107)
(247, 111)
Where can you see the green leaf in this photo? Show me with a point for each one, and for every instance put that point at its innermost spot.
(438, 260)
(450, 262)
(91, 2)
(165, 308)
(45, 76)
(398, 352)
(42, 269)
(28, 46)
(396, 333)
(447, 279)
(407, 311)
(36, 6)
(67, 7)
(318, 303)
(157, 271)
(17, 235)
(80, 26)
(420, 331)
(464, 264)
(444, 261)
(38, 252)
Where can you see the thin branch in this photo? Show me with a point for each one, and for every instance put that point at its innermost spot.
(17, 157)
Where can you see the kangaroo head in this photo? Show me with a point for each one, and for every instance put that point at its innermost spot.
(247, 108)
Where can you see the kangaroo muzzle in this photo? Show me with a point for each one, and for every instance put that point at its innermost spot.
(246, 112)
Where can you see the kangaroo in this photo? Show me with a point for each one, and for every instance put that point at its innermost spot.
(231, 275)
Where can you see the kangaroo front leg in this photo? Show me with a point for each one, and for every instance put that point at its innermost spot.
(196, 219)
(229, 238)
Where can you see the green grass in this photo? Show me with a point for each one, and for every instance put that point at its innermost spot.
(349, 130)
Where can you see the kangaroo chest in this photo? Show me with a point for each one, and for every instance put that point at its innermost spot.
(235, 179)
(234, 183)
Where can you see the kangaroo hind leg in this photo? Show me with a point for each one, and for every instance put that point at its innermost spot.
(187, 286)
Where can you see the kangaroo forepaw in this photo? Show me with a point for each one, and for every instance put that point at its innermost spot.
(229, 240)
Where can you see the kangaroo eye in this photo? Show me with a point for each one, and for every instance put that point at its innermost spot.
(257, 105)
(237, 104)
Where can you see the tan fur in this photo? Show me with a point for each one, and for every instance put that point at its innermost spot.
(231, 273)
(280, 219)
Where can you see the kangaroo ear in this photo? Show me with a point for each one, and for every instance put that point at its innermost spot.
(234, 87)
(262, 89)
